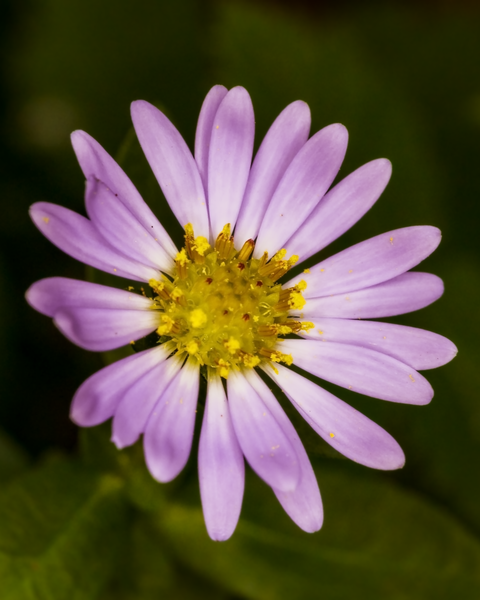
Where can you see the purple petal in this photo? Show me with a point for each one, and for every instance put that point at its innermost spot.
(169, 433)
(304, 183)
(78, 237)
(373, 261)
(418, 348)
(230, 157)
(221, 469)
(95, 161)
(121, 229)
(49, 295)
(173, 166)
(204, 129)
(344, 428)
(134, 409)
(304, 504)
(405, 293)
(262, 439)
(341, 208)
(101, 329)
(98, 397)
(361, 370)
(284, 139)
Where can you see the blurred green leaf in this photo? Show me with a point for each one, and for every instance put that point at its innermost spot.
(149, 573)
(13, 458)
(61, 531)
(378, 541)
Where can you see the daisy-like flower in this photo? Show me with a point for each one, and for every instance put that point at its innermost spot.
(217, 306)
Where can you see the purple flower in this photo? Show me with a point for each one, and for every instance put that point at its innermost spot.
(217, 306)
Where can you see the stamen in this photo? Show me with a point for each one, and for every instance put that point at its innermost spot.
(277, 267)
(250, 360)
(168, 326)
(274, 329)
(224, 243)
(178, 296)
(223, 368)
(196, 247)
(246, 250)
(159, 288)
(294, 301)
(276, 356)
(232, 345)
(263, 260)
(297, 326)
(181, 260)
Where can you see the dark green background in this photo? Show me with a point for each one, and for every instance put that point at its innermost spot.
(79, 520)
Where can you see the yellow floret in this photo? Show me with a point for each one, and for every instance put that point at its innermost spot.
(301, 285)
(280, 254)
(224, 368)
(166, 326)
(251, 361)
(197, 318)
(232, 345)
(296, 301)
(192, 347)
(182, 257)
(201, 245)
(280, 357)
(176, 294)
(292, 260)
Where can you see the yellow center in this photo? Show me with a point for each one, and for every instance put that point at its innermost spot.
(223, 307)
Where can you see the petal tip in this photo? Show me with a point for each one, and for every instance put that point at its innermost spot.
(220, 535)
(33, 296)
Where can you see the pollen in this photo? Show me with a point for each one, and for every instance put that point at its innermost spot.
(197, 318)
(226, 309)
(232, 345)
(166, 326)
(182, 258)
(201, 245)
(192, 347)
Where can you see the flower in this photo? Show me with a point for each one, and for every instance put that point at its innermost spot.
(217, 306)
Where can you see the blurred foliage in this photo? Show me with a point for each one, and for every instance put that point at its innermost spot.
(406, 83)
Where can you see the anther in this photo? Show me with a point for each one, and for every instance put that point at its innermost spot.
(181, 260)
(159, 288)
(266, 330)
(246, 250)
(276, 356)
(196, 247)
(224, 243)
(263, 260)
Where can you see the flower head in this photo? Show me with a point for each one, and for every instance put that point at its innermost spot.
(223, 306)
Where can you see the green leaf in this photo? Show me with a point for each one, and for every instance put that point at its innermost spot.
(149, 573)
(61, 531)
(13, 459)
(378, 541)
